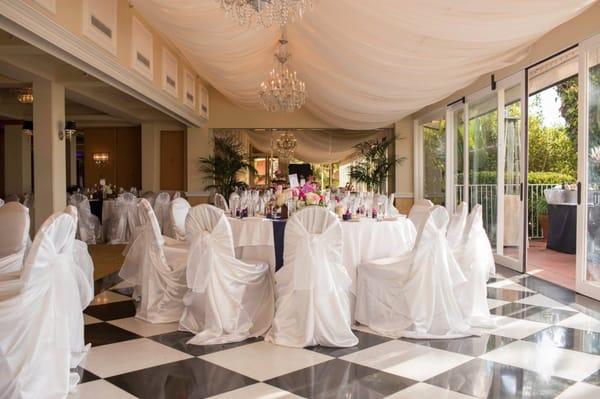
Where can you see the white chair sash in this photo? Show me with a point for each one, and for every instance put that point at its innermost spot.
(178, 211)
(313, 286)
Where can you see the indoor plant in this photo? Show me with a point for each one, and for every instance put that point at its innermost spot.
(373, 165)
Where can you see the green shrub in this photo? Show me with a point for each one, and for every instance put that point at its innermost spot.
(489, 177)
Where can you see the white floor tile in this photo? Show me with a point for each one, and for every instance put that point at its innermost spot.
(546, 359)
(122, 357)
(263, 360)
(109, 297)
(494, 303)
(581, 390)
(541, 300)
(87, 319)
(407, 360)
(516, 328)
(143, 328)
(256, 391)
(582, 322)
(99, 389)
(509, 285)
(422, 390)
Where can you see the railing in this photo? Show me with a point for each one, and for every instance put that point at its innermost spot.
(486, 195)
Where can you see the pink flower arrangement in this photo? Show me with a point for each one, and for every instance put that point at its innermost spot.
(312, 198)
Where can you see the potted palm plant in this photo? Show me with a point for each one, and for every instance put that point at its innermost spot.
(373, 166)
(223, 167)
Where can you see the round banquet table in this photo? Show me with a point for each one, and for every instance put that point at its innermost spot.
(262, 239)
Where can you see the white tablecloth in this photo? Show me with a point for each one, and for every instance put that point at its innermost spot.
(364, 240)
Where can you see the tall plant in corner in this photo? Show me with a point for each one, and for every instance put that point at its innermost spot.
(373, 166)
(222, 168)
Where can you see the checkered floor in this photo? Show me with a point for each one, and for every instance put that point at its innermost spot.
(541, 348)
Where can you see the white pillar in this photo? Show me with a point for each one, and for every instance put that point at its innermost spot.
(199, 145)
(17, 161)
(150, 157)
(48, 150)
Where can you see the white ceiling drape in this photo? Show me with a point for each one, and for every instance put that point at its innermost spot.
(366, 63)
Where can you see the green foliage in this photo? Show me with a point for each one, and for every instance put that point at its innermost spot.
(549, 178)
(222, 168)
(551, 149)
(373, 166)
(568, 91)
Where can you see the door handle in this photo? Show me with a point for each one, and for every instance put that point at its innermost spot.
(521, 191)
(578, 193)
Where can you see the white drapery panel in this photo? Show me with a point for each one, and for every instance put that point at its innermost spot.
(316, 146)
(366, 64)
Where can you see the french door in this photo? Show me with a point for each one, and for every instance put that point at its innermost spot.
(588, 170)
(485, 163)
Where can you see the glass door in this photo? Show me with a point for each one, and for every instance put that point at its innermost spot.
(588, 167)
(456, 179)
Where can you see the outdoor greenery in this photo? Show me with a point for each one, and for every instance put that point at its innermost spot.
(374, 165)
(222, 168)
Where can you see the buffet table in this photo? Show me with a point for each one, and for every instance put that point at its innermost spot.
(562, 219)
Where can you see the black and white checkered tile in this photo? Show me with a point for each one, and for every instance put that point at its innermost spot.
(546, 345)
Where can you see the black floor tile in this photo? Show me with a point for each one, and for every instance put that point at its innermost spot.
(103, 333)
(340, 379)
(486, 379)
(594, 379)
(112, 311)
(104, 283)
(506, 294)
(568, 338)
(190, 378)
(471, 346)
(85, 376)
(365, 340)
(178, 340)
(532, 313)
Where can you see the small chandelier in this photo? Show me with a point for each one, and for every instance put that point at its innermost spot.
(25, 96)
(100, 158)
(282, 91)
(285, 145)
(265, 12)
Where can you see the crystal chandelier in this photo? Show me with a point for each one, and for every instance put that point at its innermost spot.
(25, 96)
(265, 12)
(282, 91)
(284, 146)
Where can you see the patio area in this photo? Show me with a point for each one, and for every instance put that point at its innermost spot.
(550, 265)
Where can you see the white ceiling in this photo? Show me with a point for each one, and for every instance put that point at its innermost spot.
(366, 63)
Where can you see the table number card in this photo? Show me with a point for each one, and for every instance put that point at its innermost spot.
(293, 180)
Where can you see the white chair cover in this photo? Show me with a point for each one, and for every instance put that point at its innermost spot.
(14, 237)
(419, 213)
(391, 208)
(456, 227)
(176, 195)
(15, 198)
(313, 286)
(1, 202)
(123, 221)
(229, 300)
(178, 211)
(221, 203)
(475, 257)
(157, 271)
(161, 210)
(88, 229)
(413, 295)
(149, 196)
(41, 319)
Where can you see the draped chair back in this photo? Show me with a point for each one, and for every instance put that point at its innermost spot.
(27, 201)
(313, 238)
(14, 238)
(86, 226)
(440, 217)
(419, 212)
(161, 209)
(457, 225)
(176, 195)
(391, 208)
(179, 209)
(149, 196)
(211, 244)
(13, 198)
(221, 203)
(1, 202)
(474, 223)
(126, 215)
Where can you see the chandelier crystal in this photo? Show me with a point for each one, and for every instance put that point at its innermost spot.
(284, 145)
(265, 12)
(282, 91)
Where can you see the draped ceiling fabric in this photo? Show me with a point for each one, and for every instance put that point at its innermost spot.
(366, 64)
(312, 146)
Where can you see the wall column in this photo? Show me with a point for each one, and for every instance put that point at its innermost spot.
(17, 161)
(72, 157)
(49, 156)
(150, 157)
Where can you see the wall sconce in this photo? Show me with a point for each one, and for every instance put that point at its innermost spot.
(70, 130)
(100, 158)
(27, 128)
